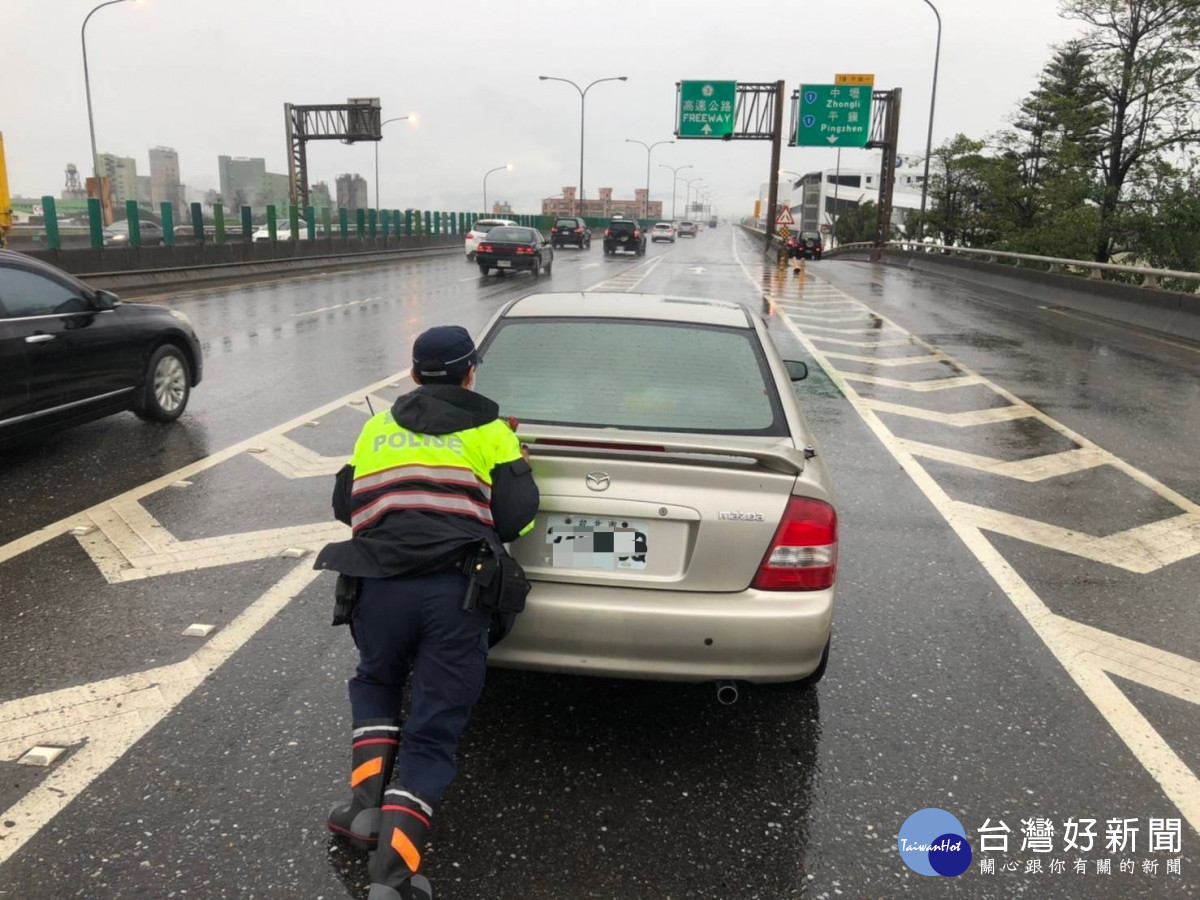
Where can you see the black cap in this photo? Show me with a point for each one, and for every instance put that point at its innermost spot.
(444, 354)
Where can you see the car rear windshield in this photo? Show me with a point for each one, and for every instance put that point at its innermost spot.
(663, 225)
(567, 223)
(484, 226)
(654, 376)
(688, 224)
(505, 233)
(622, 226)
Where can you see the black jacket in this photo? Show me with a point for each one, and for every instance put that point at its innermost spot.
(414, 542)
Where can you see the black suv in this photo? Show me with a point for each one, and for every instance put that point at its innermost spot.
(568, 230)
(624, 234)
(69, 353)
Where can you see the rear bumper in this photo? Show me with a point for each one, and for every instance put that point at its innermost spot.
(758, 636)
(492, 262)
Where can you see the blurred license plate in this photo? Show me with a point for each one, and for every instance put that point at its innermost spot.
(504, 264)
(596, 542)
(623, 238)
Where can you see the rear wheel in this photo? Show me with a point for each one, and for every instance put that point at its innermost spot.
(168, 386)
(483, 269)
(549, 267)
(537, 266)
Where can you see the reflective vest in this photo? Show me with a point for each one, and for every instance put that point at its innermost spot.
(397, 469)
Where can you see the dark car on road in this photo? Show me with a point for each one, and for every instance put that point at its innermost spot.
(624, 234)
(509, 247)
(571, 231)
(69, 354)
(810, 244)
(117, 234)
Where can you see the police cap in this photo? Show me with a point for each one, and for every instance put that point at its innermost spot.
(444, 354)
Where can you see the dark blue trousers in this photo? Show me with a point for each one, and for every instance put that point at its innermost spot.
(417, 625)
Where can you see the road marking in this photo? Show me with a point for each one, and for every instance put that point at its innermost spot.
(628, 279)
(1088, 668)
(898, 342)
(1100, 320)
(1038, 468)
(923, 386)
(103, 720)
(884, 361)
(965, 419)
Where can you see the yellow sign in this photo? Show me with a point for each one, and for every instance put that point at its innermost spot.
(758, 209)
(859, 79)
(784, 232)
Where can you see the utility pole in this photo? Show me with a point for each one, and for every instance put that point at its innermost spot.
(776, 153)
(675, 170)
(649, 148)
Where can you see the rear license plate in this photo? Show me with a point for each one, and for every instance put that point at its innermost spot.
(596, 542)
(622, 239)
(504, 264)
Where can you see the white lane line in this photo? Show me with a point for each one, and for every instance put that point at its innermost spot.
(1139, 332)
(897, 342)
(884, 361)
(103, 720)
(965, 419)
(923, 386)
(62, 526)
(1088, 671)
(1038, 468)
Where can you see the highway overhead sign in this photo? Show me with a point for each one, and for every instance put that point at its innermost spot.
(706, 109)
(834, 115)
(785, 216)
(860, 79)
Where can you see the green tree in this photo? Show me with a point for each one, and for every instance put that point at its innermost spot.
(1145, 56)
(958, 189)
(857, 223)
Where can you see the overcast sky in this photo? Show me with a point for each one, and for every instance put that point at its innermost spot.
(210, 77)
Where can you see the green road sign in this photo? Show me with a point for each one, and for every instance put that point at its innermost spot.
(706, 109)
(834, 115)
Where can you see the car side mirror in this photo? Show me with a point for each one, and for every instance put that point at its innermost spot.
(797, 370)
(106, 299)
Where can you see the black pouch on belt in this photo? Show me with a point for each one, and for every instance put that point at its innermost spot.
(508, 590)
(345, 595)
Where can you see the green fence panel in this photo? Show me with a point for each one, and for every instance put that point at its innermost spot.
(50, 212)
(326, 222)
(372, 222)
(343, 222)
(408, 223)
(360, 222)
(95, 222)
(428, 219)
(197, 223)
(437, 223)
(271, 222)
(310, 222)
(396, 222)
(218, 223)
(133, 217)
(293, 222)
(247, 224)
(166, 215)
(385, 221)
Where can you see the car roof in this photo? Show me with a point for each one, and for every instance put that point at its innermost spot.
(649, 307)
(494, 222)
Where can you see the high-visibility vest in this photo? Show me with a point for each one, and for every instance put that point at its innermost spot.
(398, 469)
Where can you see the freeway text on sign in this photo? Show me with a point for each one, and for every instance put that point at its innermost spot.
(834, 115)
(706, 109)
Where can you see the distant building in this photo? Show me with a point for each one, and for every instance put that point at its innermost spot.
(319, 196)
(121, 172)
(164, 179)
(241, 179)
(144, 198)
(352, 192)
(819, 197)
(603, 206)
(274, 189)
(501, 209)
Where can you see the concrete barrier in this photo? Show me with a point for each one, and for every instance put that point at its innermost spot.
(1169, 312)
(136, 269)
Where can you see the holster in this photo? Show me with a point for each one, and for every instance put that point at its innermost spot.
(495, 582)
(345, 595)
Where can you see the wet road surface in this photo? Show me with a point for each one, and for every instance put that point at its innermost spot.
(1016, 633)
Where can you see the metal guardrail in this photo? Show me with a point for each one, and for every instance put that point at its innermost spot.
(1149, 277)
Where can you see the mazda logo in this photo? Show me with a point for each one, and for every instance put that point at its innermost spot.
(597, 481)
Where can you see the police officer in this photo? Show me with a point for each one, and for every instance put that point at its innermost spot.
(430, 479)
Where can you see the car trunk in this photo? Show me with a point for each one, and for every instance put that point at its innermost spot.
(622, 235)
(696, 515)
(505, 250)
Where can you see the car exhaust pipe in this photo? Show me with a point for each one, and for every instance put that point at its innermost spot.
(727, 693)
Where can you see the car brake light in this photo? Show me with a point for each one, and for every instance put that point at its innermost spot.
(804, 551)
(524, 249)
(484, 248)
(636, 233)
(579, 231)
(606, 232)
(554, 230)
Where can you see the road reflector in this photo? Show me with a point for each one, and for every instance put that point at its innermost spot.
(313, 424)
(182, 484)
(42, 756)
(256, 449)
(198, 630)
(294, 553)
(81, 530)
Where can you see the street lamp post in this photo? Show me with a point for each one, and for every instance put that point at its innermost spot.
(87, 87)
(688, 196)
(937, 55)
(381, 124)
(649, 149)
(675, 170)
(582, 98)
(507, 166)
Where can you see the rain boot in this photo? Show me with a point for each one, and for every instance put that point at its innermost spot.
(373, 755)
(403, 828)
